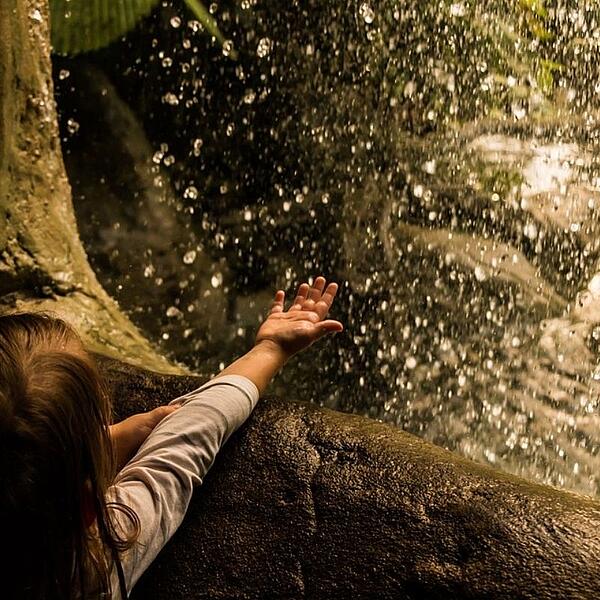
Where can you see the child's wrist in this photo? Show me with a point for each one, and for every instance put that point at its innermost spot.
(273, 351)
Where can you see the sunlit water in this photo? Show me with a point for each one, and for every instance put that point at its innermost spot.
(437, 159)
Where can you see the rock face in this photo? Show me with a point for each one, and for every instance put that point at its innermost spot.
(304, 502)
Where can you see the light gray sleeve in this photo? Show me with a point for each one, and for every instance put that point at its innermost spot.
(159, 480)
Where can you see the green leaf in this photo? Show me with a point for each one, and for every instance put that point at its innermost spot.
(205, 19)
(83, 25)
(545, 75)
(208, 22)
(536, 7)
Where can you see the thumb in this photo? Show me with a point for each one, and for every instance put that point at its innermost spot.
(329, 326)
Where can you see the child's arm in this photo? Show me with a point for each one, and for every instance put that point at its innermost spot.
(128, 435)
(284, 333)
(158, 482)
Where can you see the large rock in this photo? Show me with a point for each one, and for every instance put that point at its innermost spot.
(304, 502)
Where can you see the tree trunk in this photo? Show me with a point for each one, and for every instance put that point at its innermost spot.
(43, 265)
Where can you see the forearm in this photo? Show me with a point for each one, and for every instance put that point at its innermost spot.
(259, 365)
(158, 482)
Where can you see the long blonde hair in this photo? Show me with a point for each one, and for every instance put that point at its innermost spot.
(56, 463)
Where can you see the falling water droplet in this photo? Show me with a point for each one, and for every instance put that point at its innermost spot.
(249, 96)
(190, 192)
(173, 311)
(480, 273)
(227, 48)
(367, 13)
(264, 47)
(429, 167)
(189, 257)
(171, 98)
(530, 230)
(457, 9)
(519, 111)
(195, 25)
(72, 126)
(411, 362)
(197, 146)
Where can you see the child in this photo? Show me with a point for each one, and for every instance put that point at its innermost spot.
(70, 527)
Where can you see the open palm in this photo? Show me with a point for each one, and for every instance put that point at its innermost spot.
(304, 322)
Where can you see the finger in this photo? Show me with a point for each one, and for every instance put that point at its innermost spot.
(324, 304)
(300, 297)
(277, 305)
(317, 289)
(309, 304)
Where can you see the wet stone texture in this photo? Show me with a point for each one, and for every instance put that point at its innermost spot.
(304, 502)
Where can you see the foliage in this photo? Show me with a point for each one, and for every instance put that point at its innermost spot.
(84, 25)
(457, 61)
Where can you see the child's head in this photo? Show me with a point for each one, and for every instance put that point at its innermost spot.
(56, 461)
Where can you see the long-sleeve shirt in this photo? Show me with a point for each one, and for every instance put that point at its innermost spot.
(157, 483)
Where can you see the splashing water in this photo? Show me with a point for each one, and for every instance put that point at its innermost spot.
(438, 159)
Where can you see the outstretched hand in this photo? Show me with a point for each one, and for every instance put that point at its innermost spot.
(304, 322)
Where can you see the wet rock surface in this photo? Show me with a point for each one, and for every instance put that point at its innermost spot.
(304, 502)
